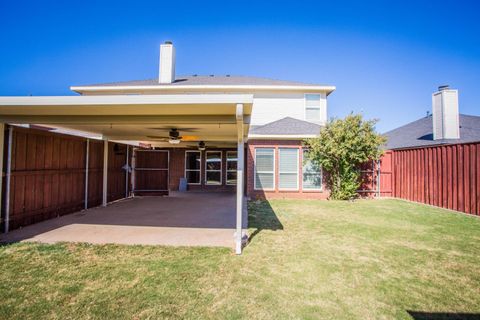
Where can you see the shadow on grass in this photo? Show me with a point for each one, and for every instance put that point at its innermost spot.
(261, 216)
(421, 315)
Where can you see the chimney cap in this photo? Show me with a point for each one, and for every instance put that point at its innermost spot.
(168, 42)
(443, 87)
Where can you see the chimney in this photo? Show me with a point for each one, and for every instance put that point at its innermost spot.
(167, 63)
(445, 114)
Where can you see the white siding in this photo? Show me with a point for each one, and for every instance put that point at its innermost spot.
(271, 107)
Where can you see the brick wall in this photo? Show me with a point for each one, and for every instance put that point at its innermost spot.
(261, 194)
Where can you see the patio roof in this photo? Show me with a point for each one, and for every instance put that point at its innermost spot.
(210, 117)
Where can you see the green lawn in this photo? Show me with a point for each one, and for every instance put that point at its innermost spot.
(307, 259)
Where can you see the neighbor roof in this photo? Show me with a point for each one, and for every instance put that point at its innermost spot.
(420, 133)
(286, 126)
(205, 80)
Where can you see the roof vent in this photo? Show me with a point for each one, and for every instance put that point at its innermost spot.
(443, 87)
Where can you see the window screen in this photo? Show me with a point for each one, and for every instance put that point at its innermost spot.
(312, 174)
(312, 107)
(264, 168)
(288, 168)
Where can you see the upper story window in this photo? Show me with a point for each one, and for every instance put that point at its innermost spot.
(312, 107)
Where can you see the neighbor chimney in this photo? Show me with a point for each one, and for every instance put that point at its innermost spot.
(445, 114)
(167, 63)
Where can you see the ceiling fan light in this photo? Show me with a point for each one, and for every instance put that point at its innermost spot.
(174, 141)
(201, 148)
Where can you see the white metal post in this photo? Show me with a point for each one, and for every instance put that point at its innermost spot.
(240, 162)
(87, 155)
(9, 171)
(2, 138)
(126, 174)
(105, 172)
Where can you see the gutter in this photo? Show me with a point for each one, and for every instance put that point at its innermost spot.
(327, 89)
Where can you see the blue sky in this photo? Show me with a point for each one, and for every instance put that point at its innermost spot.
(385, 57)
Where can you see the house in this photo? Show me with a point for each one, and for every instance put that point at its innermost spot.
(206, 133)
(445, 125)
(436, 159)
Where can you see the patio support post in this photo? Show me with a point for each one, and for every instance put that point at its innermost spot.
(86, 173)
(2, 137)
(240, 175)
(105, 172)
(126, 172)
(7, 182)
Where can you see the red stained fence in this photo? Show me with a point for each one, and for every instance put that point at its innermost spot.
(446, 176)
(48, 175)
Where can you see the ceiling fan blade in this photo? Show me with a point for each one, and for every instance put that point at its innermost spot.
(190, 138)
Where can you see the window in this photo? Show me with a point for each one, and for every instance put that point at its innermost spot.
(232, 167)
(312, 107)
(312, 174)
(213, 167)
(288, 169)
(264, 169)
(193, 162)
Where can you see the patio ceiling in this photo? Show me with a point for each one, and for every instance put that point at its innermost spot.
(207, 117)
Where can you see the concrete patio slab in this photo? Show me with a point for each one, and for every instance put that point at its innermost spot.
(181, 219)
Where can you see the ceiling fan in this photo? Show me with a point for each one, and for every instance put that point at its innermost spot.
(201, 146)
(174, 136)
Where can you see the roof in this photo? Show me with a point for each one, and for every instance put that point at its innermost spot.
(286, 127)
(199, 80)
(420, 133)
(205, 83)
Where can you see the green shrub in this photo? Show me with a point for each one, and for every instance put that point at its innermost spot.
(342, 146)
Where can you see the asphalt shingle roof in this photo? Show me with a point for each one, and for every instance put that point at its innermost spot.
(207, 80)
(420, 133)
(286, 126)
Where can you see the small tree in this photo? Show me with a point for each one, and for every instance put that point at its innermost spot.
(343, 145)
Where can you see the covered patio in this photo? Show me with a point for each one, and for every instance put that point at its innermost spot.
(219, 120)
(176, 220)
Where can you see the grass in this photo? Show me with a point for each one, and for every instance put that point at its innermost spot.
(306, 260)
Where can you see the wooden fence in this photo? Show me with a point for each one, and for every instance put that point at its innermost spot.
(446, 176)
(48, 172)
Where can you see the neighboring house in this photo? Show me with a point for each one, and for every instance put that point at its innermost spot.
(197, 130)
(436, 159)
(444, 126)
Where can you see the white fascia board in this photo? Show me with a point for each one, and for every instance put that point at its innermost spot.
(282, 136)
(126, 99)
(327, 89)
